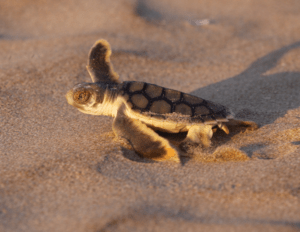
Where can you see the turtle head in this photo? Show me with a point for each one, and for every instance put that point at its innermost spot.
(87, 97)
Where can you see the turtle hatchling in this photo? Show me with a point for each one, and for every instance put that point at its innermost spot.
(141, 109)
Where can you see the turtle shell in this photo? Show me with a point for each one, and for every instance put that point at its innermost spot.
(157, 101)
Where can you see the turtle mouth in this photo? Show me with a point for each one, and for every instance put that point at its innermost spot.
(81, 96)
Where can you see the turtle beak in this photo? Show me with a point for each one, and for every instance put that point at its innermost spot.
(69, 97)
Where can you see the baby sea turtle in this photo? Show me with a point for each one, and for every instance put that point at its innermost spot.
(139, 109)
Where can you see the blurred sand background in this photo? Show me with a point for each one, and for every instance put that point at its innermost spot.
(61, 170)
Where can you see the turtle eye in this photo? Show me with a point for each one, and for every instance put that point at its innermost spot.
(81, 96)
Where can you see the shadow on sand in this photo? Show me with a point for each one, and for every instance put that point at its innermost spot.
(255, 96)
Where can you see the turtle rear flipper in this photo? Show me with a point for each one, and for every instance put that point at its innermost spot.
(99, 66)
(144, 140)
(240, 123)
(200, 134)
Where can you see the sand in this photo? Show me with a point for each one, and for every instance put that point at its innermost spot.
(62, 170)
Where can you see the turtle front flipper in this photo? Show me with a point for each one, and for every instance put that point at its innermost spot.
(99, 65)
(143, 139)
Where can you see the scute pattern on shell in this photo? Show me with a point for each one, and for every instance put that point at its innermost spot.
(170, 101)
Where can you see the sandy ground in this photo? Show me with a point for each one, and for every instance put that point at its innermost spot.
(61, 170)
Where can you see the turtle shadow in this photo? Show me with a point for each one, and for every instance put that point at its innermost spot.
(296, 142)
(252, 148)
(255, 96)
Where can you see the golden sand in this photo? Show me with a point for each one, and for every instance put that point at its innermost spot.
(61, 170)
